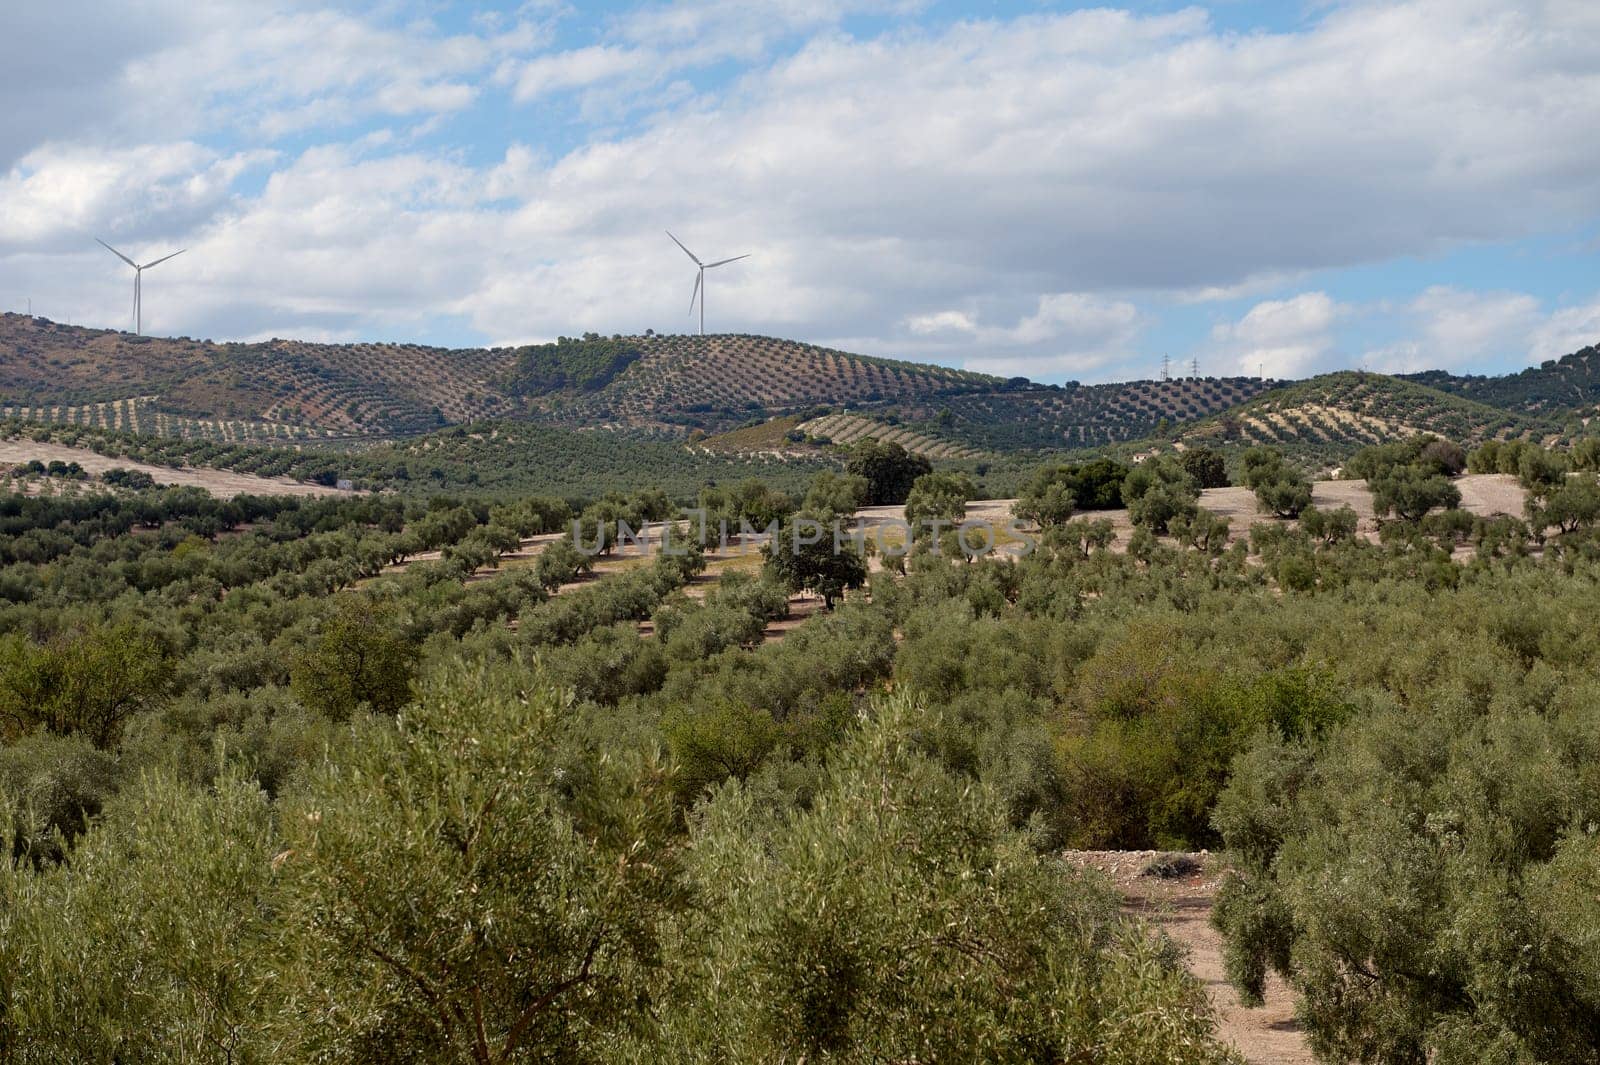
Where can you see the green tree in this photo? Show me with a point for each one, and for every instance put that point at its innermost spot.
(800, 562)
(1572, 506)
(836, 493)
(471, 886)
(890, 470)
(360, 657)
(1409, 492)
(1280, 489)
(1329, 526)
(900, 918)
(89, 681)
(1206, 466)
(1158, 490)
(938, 497)
(1049, 498)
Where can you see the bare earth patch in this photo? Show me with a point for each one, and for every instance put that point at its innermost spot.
(222, 483)
(1181, 907)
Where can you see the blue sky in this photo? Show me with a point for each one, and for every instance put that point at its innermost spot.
(1057, 190)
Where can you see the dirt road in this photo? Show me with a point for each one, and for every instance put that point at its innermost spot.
(1181, 907)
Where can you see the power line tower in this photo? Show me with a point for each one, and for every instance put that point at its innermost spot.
(1194, 367)
(1166, 367)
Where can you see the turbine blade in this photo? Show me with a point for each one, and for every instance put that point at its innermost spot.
(724, 262)
(696, 293)
(686, 251)
(117, 253)
(164, 258)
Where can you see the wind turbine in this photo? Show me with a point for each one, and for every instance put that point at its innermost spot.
(700, 279)
(138, 280)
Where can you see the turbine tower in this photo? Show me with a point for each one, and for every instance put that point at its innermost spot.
(700, 279)
(138, 281)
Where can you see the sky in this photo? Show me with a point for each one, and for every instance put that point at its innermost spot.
(1058, 191)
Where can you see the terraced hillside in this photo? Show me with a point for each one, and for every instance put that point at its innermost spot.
(1568, 384)
(715, 381)
(1331, 415)
(244, 391)
(1075, 417)
(849, 428)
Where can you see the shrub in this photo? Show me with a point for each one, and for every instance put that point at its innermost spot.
(1410, 492)
(1158, 490)
(1426, 880)
(899, 918)
(1205, 466)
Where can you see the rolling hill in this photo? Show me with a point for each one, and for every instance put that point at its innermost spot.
(286, 389)
(1077, 417)
(1568, 386)
(727, 394)
(1327, 417)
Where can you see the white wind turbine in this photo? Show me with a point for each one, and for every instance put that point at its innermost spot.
(700, 279)
(138, 281)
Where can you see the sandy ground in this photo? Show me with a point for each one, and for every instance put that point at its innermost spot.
(1181, 908)
(217, 482)
(1488, 494)
(1483, 495)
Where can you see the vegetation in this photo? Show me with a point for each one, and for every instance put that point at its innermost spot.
(1159, 491)
(569, 365)
(1321, 421)
(1280, 489)
(1056, 492)
(370, 778)
(889, 469)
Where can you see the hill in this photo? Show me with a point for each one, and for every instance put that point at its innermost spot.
(1078, 417)
(489, 457)
(295, 390)
(1329, 416)
(1568, 386)
(716, 382)
(731, 393)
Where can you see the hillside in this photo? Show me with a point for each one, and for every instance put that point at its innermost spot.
(295, 390)
(1329, 416)
(490, 457)
(717, 381)
(1570, 384)
(1078, 417)
(734, 394)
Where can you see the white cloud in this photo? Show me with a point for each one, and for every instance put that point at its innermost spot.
(1566, 330)
(1066, 334)
(574, 69)
(1000, 190)
(1456, 329)
(942, 322)
(57, 196)
(1281, 338)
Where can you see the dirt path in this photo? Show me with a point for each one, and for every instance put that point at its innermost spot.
(1181, 907)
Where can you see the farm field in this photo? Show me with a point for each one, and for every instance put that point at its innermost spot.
(222, 483)
(309, 699)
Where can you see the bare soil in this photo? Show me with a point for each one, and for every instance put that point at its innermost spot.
(1181, 908)
(218, 482)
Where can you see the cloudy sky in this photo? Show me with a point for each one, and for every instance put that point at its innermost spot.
(1026, 188)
